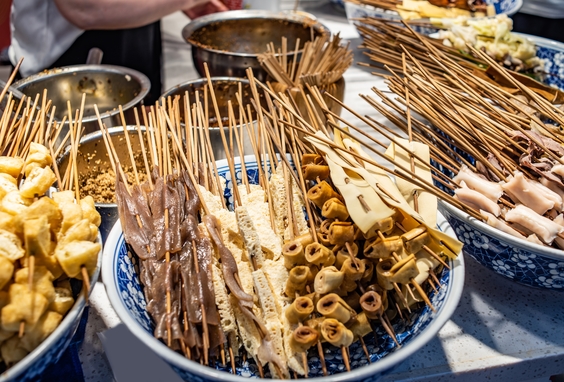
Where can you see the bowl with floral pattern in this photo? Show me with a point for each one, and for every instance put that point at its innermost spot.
(511, 257)
(552, 54)
(31, 368)
(125, 292)
(356, 11)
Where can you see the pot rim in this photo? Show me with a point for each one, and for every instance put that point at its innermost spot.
(201, 22)
(142, 79)
(198, 81)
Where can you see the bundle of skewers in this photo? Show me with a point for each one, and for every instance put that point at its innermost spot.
(503, 147)
(260, 282)
(387, 41)
(322, 63)
(47, 238)
(421, 9)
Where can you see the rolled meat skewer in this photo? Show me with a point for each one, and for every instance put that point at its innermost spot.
(490, 190)
(338, 335)
(544, 228)
(537, 197)
(476, 200)
(372, 306)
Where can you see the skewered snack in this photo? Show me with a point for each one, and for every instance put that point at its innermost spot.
(493, 35)
(381, 36)
(514, 184)
(418, 9)
(281, 284)
(43, 241)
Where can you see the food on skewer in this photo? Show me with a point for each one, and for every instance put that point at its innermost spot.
(44, 242)
(282, 285)
(418, 9)
(493, 35)
(381, 37)
(501, 144)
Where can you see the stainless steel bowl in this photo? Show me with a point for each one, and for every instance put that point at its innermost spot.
(107, 86)
(230, 41)
(225, 89)
(93, 158)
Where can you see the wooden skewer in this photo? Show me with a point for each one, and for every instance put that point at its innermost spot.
(345, 358)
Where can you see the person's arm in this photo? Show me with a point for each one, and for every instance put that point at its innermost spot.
(121, 14)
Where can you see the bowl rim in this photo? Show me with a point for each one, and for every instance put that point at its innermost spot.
(200, 22)
(72, 315)
(198, 81)
(454, 292)
(354, 5)
(141, 78)
(534, 248)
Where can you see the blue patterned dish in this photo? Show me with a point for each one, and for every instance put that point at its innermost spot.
(49, 351)
(552, 52)
(517, 259)
(356, 11)
(119, 272)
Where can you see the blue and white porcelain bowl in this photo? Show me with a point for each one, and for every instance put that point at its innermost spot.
(119, 270)
(552, 52)
(49, 351)
(356, 11)
(516, 259)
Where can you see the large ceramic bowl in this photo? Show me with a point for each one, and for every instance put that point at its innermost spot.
(52, 348)
(125, 293)
(552, 52)
(356, 11)
(516, 259)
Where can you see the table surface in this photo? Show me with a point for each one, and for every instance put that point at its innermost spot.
(500, 330)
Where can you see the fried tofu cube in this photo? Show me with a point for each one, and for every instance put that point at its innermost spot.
(14, 203)
(42, 281)
(7, 222)
(72, 212)
(63, 197)
(37, 182)
(25, 305)
(38, 157)
(7, 185)
(12, 350)
(45, 207)
(63, 301)
(37, 334)
(11, 165)
(72, 256)
(79, 232)
(10, 246)
(94, 231)
(89, 211)
(37, 237)
(6, 271)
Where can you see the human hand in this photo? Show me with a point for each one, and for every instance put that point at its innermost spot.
(205, 7)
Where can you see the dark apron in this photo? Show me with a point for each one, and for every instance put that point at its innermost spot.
(137, 48)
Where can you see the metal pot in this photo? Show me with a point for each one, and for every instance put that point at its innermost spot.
(107, 86)
(93, 157)
(225, 89)
(230, 41)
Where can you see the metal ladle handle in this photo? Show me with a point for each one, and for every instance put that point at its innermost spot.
(94, 56)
